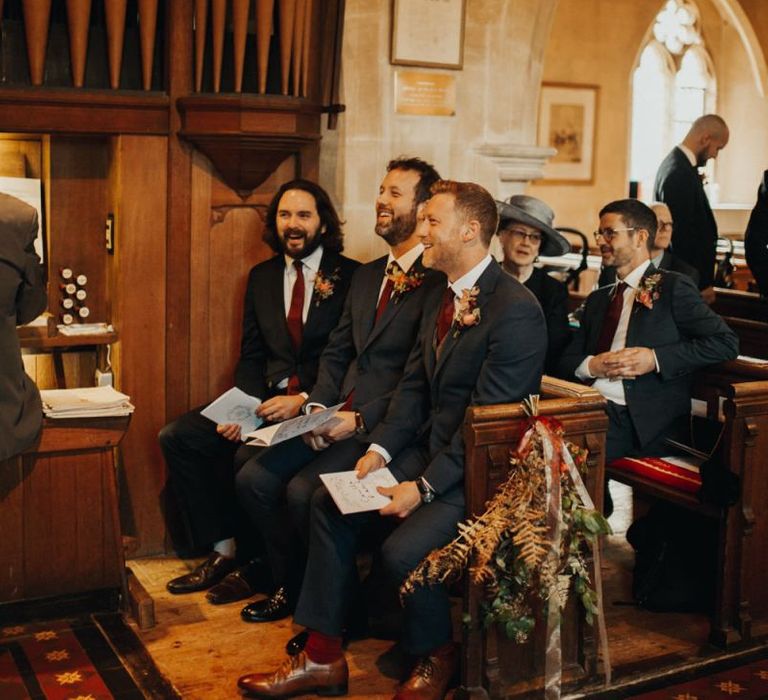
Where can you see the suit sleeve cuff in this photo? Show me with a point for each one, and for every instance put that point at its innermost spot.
(378, 449)
(582, 371)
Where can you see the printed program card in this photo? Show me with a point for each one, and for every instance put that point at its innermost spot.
(235, 406)
(288, 429)
(353, 495)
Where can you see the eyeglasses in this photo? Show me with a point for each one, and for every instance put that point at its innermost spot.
(534, 237)
(608, 234)
(665, 225)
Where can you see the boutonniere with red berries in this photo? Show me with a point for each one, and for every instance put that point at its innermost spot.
(468, 314)
(325, 285)
(403, 282)
(648, 291)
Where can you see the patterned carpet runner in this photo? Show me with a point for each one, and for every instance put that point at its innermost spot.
(61, 660)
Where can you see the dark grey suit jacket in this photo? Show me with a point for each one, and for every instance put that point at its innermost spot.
(366, 356)
(498, 360)
(267, 356)
(694, 238)
(683, 331)
(22, 298)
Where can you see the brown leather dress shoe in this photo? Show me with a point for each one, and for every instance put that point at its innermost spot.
(235, 586)
(298, 675)
(210, 572)
(431, 676)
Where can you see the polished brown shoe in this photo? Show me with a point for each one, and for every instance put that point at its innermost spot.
(431, 676)
(298, 675)
(210, 572)
(238, 585)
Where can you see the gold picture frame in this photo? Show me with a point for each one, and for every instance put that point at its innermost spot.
(568, 123)
(428, 33)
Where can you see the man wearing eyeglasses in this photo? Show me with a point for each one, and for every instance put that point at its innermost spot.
(661, 258)
(679, 185)
(641, 338)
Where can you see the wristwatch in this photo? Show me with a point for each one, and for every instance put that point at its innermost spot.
(426, 491)
(359, 423)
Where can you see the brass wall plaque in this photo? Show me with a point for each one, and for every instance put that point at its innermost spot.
(425, 94)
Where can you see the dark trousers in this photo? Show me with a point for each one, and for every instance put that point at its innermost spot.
(275, 489)
(201, 466)
(622, 439)
(331, 576)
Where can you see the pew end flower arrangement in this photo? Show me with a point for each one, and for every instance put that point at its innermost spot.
(529, 548)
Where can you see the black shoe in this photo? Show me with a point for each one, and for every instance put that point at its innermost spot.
(276, 607)
(238, 585)
(296, 644)
(207, 574)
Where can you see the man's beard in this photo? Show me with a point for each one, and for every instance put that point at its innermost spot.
(400, 229)
(310, 246)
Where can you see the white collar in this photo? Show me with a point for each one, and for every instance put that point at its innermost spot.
(469, 280)
(312, 261)
(634, 277)
(689, 154)
(406, 260)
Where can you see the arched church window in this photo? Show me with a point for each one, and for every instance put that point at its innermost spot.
(672, 85)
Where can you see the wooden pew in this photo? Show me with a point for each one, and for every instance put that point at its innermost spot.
(59, 514)
(492, 665)
(738, 392)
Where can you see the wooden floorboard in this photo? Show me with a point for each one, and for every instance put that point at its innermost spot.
(202, 649)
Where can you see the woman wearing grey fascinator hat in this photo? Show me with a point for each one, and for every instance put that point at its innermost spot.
(526, 231)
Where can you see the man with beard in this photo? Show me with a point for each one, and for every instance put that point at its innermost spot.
(641, 339)
(361, 366)
(292, 303)
(482, 341)
(680, 187)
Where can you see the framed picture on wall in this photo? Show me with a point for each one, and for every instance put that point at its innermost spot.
(428, 33)
(567, 123)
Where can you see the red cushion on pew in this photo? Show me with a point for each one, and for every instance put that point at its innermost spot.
(685, 477)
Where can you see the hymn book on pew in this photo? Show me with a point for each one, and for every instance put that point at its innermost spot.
(353, 495)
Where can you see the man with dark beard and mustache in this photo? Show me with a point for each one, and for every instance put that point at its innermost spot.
(292, 303)
(361, 367)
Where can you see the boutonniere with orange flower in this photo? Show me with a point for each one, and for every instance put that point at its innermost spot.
(468, 314)
(325, 285)
(403, 282)
(648, 291)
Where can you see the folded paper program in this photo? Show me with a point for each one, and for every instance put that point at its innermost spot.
(86, 402)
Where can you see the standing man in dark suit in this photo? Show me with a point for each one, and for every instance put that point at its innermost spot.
(22, 298)
(756, 238)
(661, 258)
(680, 187)
(640, 339)
(482, 341)
(292, 303)
(361, 367)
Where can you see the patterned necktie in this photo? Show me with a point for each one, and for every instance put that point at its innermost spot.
(392, 269)
(611, 320)
(445, 315)
(296, 311)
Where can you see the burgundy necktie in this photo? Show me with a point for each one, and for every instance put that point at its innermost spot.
(445, 315)
(611, 320)
(386, 293)
(295, 320)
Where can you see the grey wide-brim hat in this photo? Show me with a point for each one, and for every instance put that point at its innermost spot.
(533, 212)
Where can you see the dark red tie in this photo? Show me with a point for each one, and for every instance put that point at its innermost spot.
(295, 320)
(386, 293)
(445, 315)
(611, 320)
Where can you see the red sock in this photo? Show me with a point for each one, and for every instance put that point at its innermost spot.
(322, 648)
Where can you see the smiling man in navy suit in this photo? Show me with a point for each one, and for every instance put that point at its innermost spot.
(482, 340)
(292, 303)
(641, 338)
(360, 367)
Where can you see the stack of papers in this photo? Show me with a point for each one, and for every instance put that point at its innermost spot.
(86, 402)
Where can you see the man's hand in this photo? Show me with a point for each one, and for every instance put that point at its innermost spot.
(629, 362)
(405, 499)
(280, 408)
(341, 427)
(708, 294)
(229, 431)
(369, 462)
(317, 442)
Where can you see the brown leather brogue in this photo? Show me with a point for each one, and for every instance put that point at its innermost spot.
(298, 675)
(431, 676)
(207, 574)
